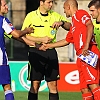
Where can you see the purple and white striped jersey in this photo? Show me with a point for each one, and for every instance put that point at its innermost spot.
(5, 26)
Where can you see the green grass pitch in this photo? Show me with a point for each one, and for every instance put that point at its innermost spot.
(44, 95)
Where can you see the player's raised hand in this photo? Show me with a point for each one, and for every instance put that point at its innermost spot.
(19, 33)
(29, 30)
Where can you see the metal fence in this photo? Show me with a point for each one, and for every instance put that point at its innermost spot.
(15, 49)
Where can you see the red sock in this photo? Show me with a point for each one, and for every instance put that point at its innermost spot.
(96, 93)
(87, 96)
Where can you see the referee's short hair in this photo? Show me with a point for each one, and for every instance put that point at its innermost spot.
(43, 0)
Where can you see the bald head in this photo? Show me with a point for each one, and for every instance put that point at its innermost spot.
(70, 7)
(72, 3)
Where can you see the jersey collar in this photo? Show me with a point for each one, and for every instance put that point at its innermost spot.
(38, 12)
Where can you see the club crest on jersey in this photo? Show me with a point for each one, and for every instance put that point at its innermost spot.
(10, 25)
(84, 19)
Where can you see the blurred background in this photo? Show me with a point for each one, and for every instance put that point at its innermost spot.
(18, 9)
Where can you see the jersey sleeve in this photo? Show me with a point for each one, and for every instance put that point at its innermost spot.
(83, 16)
(69, 37)
(7, 26)
(60, 17)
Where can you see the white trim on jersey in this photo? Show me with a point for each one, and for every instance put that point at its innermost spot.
(6, 26)
(90, 74)
(84, 19)
(1, 57)
(6, 58)
(81, 42)
(75, 17)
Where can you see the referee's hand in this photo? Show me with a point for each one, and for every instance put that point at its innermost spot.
(57, 24)
(46, 39)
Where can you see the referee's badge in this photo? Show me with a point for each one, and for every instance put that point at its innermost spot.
(53, 32)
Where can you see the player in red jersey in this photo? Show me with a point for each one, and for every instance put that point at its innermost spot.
(81, 35)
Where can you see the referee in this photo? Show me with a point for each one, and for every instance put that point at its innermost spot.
(94, 7)
(44, 64)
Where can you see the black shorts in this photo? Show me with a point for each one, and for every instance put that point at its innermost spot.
(43, 64)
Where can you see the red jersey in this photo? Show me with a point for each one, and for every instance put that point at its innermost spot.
(78, 30)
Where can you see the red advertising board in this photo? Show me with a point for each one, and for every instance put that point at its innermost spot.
(69, 77)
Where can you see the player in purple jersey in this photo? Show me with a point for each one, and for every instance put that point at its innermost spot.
(6, 26)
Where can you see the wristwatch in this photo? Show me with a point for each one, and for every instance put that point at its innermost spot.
(63, 22)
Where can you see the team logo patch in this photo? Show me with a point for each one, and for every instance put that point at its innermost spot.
(53, 32)
(84, 19)
(10, 24)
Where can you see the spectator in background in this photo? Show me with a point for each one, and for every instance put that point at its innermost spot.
(94, 7)
(45, 23)
(81, 35)
(6, 26)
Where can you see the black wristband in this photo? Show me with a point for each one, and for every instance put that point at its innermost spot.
(63, 22)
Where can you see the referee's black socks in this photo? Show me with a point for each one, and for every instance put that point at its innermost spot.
(53, 96)
(32, 96)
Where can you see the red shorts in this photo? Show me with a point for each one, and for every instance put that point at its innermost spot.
(88, 74)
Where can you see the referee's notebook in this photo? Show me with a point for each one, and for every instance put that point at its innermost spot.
(91, 59)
